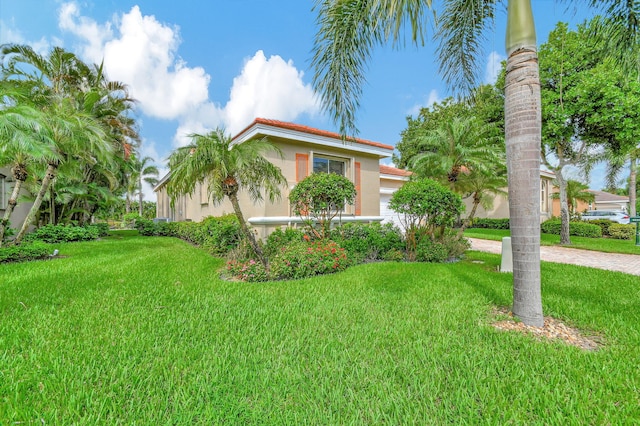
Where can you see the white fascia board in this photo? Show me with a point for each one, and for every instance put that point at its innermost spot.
(264, 130)
(161, 182)
(394, 177)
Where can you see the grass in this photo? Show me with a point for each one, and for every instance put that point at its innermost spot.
(607, 245)
(133, 330)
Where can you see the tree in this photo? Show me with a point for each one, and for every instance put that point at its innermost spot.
(227, 169)
(141, 171)
(575, 191)
(483, 186)
(348, 32)
(456, 147)
(321, 197)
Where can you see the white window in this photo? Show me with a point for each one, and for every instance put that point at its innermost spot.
(323, 164)
(544, 196)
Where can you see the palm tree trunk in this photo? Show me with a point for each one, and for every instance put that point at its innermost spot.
(140, 195)
(49, 176)
(11, 204)
(523, 122)
(633, 179)
(472, 214)
(565, 235)
(247, 232)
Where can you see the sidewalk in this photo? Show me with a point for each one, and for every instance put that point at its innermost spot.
(627, 263)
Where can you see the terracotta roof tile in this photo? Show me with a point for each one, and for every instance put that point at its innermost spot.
(388, 170)
(313, 131)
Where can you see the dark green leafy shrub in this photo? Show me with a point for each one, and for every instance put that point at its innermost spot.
(319, 198)
(102, 228)
(145, 227)
(61, 233)
(305, 259)
(622, 232)
(487, 223)
(431, 251)
(24, 252)
(282, 237)
(220, 234)
(394, 255)
(604, 224)
(578, 229)
(368, 241)
(129, 220)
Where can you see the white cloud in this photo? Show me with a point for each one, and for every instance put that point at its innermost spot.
(494, 65)
(429, 100)
(142, 55)
(270, 88)
(11, 35)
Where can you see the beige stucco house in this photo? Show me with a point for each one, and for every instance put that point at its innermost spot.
(305, 150)
(500, 207)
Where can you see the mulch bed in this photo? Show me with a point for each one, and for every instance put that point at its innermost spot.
(553, 329)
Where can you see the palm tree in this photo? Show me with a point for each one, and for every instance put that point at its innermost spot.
(576, 191)
(482, 187)
(141, 171)
(348, 32)
(227, 169)
(455, 147)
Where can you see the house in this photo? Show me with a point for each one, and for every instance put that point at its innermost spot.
(305, 150)
(21, 210)
(500, 208)
(391, 179)
(603, 201)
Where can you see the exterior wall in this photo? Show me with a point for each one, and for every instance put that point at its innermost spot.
(500, 208)
(21, 210)
(196, 207)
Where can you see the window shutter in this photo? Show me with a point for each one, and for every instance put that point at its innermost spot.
(302, 166)
(358, 193)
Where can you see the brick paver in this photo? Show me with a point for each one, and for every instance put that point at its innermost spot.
(627, 263)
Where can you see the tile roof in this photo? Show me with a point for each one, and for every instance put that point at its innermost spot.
(313, 131)
(388, 170)
(603, 197)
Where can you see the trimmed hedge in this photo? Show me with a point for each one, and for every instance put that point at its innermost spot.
(369, 242)
(218, 235)
(24, 252)
(622, 232)
(578, 229)
(602, 223)
(64, 234)
(487, 223)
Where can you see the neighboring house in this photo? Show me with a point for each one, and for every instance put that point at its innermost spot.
(306, 150)
(391, 179)
(603, 201)
(500, 207)
(6, 187)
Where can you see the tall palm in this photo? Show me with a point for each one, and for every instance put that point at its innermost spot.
(23, 141)
(576, 191)
(227, 169)
(455, 147)
(142, 170)
(482, 187)
(348, 32)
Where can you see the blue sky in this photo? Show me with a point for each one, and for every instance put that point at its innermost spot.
(197, 64)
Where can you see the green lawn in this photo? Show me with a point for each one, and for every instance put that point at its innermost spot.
(608, 245)
(134, 330)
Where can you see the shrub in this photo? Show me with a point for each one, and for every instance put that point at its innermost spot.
(321, 197)
(129, 220)
(24, 252)
(145, 227)
(250, 271)
(394, 255)
(578, 229)
(280, 238)
(62, 233)
(220, 234)
(604, 224)
(450, 247)
(622, 232)
(368, 242)
(102, 228)
(304, 259)
(487, 223)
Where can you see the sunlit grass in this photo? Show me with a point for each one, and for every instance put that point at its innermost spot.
(135, 330)
(607, 245)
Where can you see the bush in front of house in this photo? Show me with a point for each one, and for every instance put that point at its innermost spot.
(63, 234)
(366, 242)
(604, 224)
(578, 229)
(622, 232)
(488, 223)
(35, 250)
(282, 237)
(305, 259)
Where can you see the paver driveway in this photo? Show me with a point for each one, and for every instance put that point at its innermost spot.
(628, 263)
